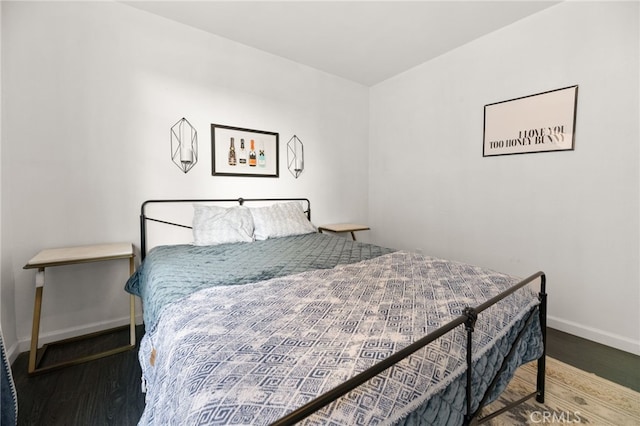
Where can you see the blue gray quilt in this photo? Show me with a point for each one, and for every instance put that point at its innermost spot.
(250, 354)
(170, 273)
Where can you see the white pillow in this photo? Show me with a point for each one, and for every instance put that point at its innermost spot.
(280, 220)
(218, 225)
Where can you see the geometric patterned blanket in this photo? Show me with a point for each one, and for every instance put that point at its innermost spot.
(251, 354)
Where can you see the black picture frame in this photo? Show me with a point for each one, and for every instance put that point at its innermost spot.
(543, 122)
(265, 161)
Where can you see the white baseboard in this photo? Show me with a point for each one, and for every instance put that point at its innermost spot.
(12, 352)
(53, 336)
(599, 336)
(596, 335)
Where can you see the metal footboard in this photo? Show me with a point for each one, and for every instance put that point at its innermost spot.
(468, 318)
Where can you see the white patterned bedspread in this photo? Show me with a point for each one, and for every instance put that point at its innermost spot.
(251, 354)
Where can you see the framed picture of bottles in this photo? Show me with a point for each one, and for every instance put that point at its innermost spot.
(243, 152)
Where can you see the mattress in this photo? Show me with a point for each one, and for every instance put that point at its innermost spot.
(224, 353)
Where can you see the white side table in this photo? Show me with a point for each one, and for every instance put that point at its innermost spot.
(69, 256)
(344, 227)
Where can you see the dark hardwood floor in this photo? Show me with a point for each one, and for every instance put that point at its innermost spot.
(107, 391)
(604, 361)
(101, 392)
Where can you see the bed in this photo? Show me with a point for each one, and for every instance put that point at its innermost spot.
(278, 324)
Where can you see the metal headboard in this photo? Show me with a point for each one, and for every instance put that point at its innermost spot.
(144, 218)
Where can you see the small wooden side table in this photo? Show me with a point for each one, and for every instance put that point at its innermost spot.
(344, 227)
(69, 256)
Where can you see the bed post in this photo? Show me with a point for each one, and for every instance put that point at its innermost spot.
(143, 236)
(543, 327)
(469, 325)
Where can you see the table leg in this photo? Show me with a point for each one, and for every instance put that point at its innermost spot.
(35, 328)
(132, 308)
(353, 236)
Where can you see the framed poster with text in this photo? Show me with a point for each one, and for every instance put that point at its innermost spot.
(537, 123)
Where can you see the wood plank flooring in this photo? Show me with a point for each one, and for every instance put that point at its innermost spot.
(604, 361)
(101, 392)
(107, 391)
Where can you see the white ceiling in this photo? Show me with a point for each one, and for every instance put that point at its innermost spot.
(363, 41)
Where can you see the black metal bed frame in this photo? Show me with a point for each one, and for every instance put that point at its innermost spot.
(468, 319)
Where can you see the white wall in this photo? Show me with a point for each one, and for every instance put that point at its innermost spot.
(7, 308)
(1, 299)
(572, 214)
(90, 92)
